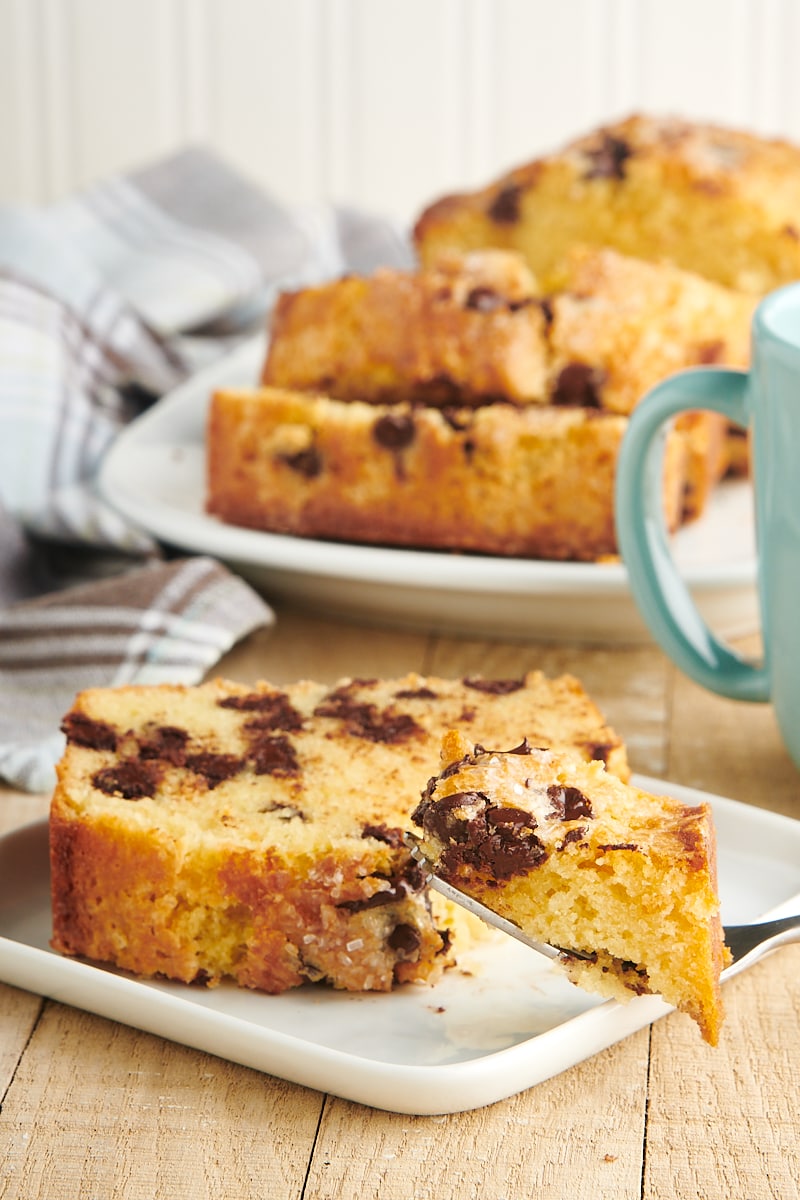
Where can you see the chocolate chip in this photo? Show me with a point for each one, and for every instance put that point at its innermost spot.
(485, 300)
(494, 687)
(445, 818)
(304, 462)
(505, 207)
(641, 983)
(572, 835)
(382, 833)
(387, 726)
(166, 742)
(568, 803)
(619, 846)
(437, 390)
(367, 721)
(600, 750)
(394, 431)
(275, 710)
(607, 160)
(275, 756)
(515, 818)
(457, 418)
(285, 812)
(421, 693)
(410, 880)
(579, 384)
(497, 842)
(262, 702)
(214, 768)
(405, 939)
(132, 780)
(84, 731)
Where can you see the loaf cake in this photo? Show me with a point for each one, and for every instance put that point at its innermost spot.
(534, 481)
(587, 863)
(255, 833)
(716, 201)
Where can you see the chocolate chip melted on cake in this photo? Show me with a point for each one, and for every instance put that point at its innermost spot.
(569, 803)
(607, 160)
(505, 207)
(409, 879)
(493, 687)
(165, 742)
(132, 780)
(275, 710)
(84, 731)
(275, 755)
(499, 841)
(579, 384)
(366, 720)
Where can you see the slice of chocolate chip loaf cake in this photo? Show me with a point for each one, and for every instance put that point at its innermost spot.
(534, 481)
(716, 201)
(466, 330)
(579, 859)
(256, 833)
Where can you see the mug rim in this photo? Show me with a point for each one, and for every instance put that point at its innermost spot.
(771, 308)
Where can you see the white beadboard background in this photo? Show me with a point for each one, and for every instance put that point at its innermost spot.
(384, 104)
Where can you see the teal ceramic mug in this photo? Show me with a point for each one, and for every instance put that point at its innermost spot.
(766, 401)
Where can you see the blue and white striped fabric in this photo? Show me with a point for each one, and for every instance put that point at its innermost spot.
(119, 294)
(107, 300)
(168, 623)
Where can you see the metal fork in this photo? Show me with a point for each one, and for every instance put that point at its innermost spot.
(747, 943)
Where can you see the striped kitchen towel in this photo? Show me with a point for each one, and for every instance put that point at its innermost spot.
(168, 623)
(112, 297)
(108, 299)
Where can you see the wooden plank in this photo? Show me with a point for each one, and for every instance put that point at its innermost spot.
(19, 1012)
(97, 1109)
(724, 1122)
(578, 1135)
(301, 647)
(20, 808)
(730, 747)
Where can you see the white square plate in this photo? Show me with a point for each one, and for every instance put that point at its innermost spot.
(500, 1022)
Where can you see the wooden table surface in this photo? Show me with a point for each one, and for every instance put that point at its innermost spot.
(92, 1109)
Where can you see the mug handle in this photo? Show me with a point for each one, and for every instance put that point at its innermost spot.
(659, 591)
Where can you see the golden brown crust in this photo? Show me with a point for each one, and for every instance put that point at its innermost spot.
(719, 202)
(587, 863)
(254, 833)
(536, 481)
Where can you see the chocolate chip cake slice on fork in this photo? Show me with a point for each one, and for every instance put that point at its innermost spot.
(581, 861)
